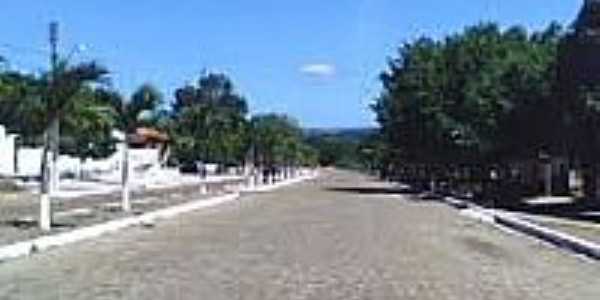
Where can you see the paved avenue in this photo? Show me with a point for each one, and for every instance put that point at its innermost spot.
(307, 242)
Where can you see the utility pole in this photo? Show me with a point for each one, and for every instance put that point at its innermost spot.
(49, 172)
(55, 125)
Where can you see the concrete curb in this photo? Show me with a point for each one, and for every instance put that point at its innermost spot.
(507, 220)
(479, 215)
(456, 203)
(16, 250)
(558, 238)
(26, 248)
(46, 242)
(268, 188)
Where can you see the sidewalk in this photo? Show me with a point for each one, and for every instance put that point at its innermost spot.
(70, 188)
(18, 214)
(89, 216)
(585, 230)
(576, 236)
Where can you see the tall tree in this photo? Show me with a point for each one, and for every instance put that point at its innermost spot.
(467, 98)
(63, 84)
(210, 121)
(277, 140)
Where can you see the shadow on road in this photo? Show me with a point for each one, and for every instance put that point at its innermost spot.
(371, 190)
(29, 224)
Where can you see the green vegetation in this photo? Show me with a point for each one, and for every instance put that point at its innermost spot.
(343, 148)
(29, 103)
(207, 121)
(210, 122)
(477, 100)
(277, 140)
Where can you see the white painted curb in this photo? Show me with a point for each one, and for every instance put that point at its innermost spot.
(16, 250)
(268, 188)
(555, 237)
(42, 243)
(479, 215)
(507, 220)
(26, 248)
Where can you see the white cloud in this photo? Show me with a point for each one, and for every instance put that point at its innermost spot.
(318, 70)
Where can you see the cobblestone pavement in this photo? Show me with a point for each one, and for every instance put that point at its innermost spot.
(308, 242)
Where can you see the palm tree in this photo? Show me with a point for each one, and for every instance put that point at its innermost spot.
(22, 107)
(62, 85)
(86, 129)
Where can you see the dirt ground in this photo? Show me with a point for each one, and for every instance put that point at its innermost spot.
(18, 211)
(341, 236)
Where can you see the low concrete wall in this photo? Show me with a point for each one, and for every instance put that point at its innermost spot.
(7, 153)
(29, 161)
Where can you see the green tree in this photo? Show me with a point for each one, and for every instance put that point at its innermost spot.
(475, 98)
(209, 121)
(277, 141)
(35, 105)
(87, 130)
(22, 107)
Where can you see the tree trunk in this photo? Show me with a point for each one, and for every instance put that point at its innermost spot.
(589, 182)
(548, 179)
(54, 139)
(45, 219)
(250, 178)
(259, 175)
(125, 194)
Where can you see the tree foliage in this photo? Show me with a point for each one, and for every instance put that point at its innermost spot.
(28, 102)
(480, 96)
(209, 121)
(277, 140)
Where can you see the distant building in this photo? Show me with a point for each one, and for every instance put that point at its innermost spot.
(145, 137)
(150, 138)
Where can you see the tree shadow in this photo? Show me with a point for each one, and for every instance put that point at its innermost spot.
(374, 190)
(32, 224)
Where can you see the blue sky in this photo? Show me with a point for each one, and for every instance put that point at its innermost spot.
(315, 60)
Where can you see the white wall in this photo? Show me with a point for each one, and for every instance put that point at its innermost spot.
(144, 157)
(7, 152)
(29, 161)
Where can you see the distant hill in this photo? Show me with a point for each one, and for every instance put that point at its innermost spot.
(339, 146)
